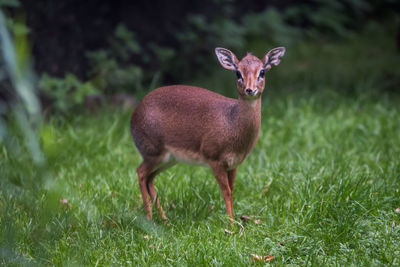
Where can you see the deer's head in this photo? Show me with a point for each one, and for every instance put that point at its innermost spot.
(250, 71)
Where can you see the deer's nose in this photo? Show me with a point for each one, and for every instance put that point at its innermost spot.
(250, 92)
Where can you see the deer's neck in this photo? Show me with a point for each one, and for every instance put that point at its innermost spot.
(246, 123)
(249, 113)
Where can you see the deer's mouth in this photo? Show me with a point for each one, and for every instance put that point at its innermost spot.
(251, 94)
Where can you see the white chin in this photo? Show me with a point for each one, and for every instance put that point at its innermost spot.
(252, 97)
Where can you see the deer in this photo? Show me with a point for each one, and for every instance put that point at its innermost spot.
(181, 123)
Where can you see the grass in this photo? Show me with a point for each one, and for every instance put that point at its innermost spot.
(323, 180)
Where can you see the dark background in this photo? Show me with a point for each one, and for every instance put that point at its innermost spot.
(81, 48)
(62, 31)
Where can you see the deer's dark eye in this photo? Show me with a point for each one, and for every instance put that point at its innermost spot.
(238, 75)
(261, 75)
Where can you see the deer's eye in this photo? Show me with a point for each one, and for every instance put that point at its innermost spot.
(262, 73)
(239, 75)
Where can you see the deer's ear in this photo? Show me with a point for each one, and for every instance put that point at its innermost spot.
(272, 57)
(227, 59)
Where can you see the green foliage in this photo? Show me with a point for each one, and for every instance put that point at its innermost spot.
(9, 3)
(197, 41)
(199, 32)
(111, 69)
(124, 43)
(66, 93)
(24, 174)
(199, 37)
(285, 27)
(271, 25)
(182, 50)
(178, 42)
(14, 59)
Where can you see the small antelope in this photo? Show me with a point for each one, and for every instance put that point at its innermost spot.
(181, 123)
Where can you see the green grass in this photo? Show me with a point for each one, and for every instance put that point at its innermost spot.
(332, 175)
(323, 179)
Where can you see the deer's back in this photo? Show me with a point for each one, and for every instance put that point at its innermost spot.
(181, 117)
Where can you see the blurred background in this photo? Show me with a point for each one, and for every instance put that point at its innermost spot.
(71, 73)
(93, 50)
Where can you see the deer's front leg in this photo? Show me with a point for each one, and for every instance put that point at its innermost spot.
(222, 178)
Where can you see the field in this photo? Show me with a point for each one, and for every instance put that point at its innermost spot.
(322, 184)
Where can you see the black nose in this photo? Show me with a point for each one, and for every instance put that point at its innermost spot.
(249, 91)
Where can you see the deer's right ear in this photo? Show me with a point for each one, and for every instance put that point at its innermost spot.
(227, 59)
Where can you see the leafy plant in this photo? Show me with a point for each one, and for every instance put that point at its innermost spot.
(9, 3)
(272, 25)
(65, 93)
(111, 69)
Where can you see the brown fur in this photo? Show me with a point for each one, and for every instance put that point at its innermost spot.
(195, 125)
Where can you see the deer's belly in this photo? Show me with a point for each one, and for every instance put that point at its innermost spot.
(233, 160)
(185, 156)
(229, 160)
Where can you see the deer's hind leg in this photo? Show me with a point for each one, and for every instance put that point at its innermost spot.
(147, 171)
(153, 194)
(144, 171)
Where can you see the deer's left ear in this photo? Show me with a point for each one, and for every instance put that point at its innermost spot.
(272, 57)
(227, 59)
